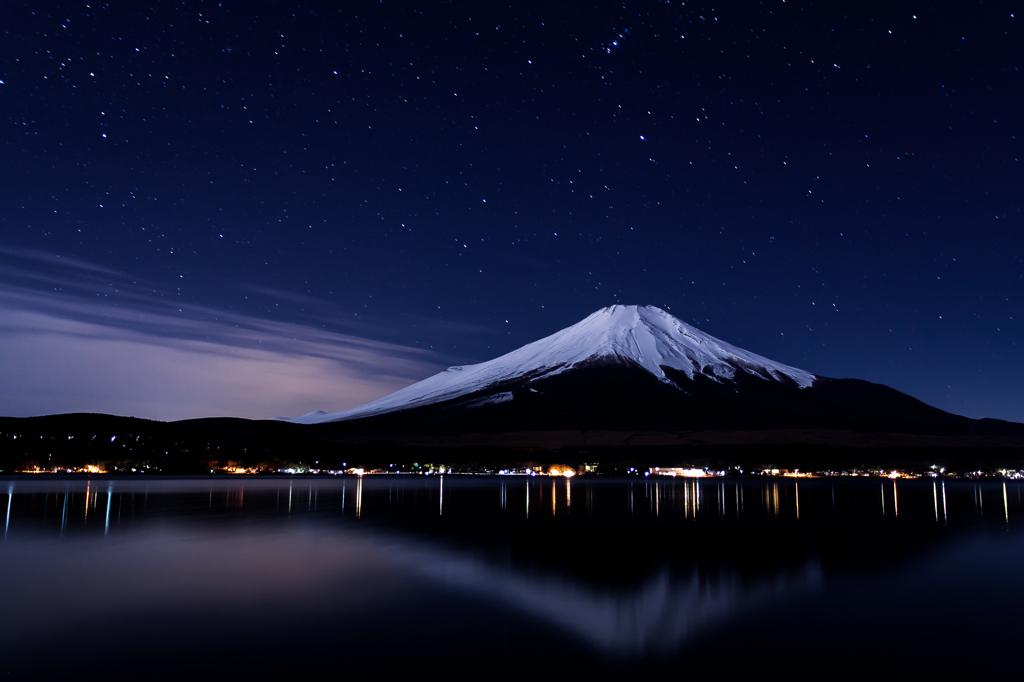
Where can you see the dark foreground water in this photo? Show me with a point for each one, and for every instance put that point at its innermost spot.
(461, 577)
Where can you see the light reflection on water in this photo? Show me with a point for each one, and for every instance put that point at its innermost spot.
(639, 572)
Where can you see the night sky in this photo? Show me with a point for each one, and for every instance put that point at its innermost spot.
(263, 208)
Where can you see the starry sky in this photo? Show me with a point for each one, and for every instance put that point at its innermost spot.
(266, 207)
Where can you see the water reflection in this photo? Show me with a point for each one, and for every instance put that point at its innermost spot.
(631, 577)
(1006, 506)
(796, 494)
(656, 617)
(945, 519)
(691, 499)
(10, 499)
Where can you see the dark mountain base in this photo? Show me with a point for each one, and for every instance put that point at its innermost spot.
(622, 397)
(196, 447)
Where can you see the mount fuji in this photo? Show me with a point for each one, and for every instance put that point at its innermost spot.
(628, 384)
(637, 368)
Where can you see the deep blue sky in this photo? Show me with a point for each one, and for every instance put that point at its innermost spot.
(263, 208)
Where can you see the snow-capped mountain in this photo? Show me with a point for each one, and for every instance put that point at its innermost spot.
(632, 369)
(628, 383)
(642, 337)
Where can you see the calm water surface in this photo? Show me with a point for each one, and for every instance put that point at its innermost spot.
(484, 577)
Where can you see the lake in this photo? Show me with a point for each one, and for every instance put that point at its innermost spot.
(509, 577)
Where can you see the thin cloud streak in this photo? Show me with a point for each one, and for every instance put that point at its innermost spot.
(66, 281)
(321, 311)
(52, 364)
(56, 260)
(132, 350)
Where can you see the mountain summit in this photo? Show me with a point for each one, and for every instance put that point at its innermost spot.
(643, 337)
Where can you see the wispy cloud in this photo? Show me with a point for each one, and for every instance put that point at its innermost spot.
(78, 337)
(312, 309)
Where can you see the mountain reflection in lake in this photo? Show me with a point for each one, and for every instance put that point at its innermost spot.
(501, 577)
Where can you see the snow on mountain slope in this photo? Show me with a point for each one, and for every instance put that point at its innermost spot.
(643, 335)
